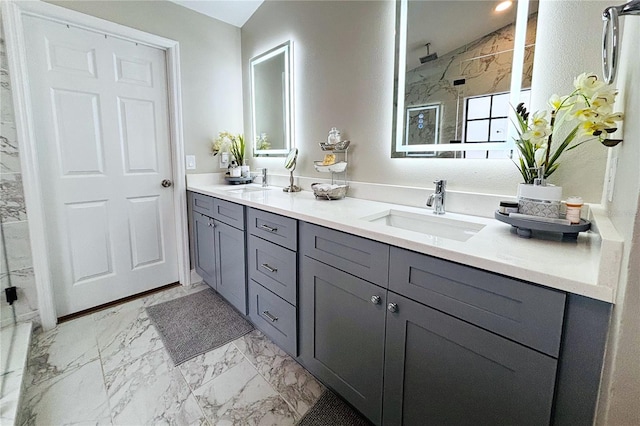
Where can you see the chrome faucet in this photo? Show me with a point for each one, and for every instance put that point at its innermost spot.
(436, 200)
(264, 177)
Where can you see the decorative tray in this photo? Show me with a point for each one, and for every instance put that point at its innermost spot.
(238, 180)
(523, 227)
(335, 167)
(339, 146)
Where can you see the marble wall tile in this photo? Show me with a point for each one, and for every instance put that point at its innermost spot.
(242, 396)
(9, 156)
(12, 205)
(18, 247)
(25, 281)
(295, 384)
(68, 346)
(6, 98)
(210, 365)
(150, 390)
(10, 396)
(124, 337)
(77, 396)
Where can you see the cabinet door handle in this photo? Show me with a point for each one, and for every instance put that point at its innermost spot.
(392, 307)
(376, 300)
(269, 316)
(268, 228)
(269, 268)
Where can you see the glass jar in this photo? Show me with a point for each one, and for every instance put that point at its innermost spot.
(334, 136)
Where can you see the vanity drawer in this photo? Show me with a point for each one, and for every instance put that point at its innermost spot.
(274, 267)
(229, 213)
(202, 204)
(520, 311)
(358, 256)
(275, 317)
(275, 228)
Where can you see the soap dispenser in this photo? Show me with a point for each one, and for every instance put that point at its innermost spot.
(539, 199)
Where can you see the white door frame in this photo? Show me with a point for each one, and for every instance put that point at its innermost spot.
(12, 13)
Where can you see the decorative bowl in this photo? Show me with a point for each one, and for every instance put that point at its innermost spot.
(332, 194)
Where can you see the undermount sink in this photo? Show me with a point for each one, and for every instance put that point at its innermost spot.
(428, 224)
(248, 189)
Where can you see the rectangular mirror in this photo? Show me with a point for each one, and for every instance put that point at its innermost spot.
(460, 65)
(271, 102)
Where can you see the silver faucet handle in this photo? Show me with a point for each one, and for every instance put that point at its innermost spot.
(440, 185)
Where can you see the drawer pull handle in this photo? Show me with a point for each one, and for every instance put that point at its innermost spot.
(376, 300)
(268, 228)
(392, 307)
(269, 316)
(269, 268)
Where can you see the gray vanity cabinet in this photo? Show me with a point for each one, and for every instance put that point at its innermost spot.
(273, 276)
(441, 370)
(204, 248)
(230, 264)
(342, 319)
(219, 247)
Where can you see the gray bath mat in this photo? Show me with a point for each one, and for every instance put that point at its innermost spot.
(195, 324)
(330, 410)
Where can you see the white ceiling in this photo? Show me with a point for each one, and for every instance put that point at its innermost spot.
(234, 12)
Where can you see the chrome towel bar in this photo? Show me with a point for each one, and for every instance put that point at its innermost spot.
(610, 36)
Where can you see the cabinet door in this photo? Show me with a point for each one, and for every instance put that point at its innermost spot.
(204, 245)
(442, 370)
(231, 265)
(342, 334)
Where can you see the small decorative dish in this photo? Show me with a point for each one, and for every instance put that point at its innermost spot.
(339, 146)
(238, 180)
(329, 192)
(335, 168)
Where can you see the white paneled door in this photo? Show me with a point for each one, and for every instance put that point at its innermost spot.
(102, 132)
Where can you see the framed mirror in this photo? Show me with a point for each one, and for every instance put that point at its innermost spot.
(460, 65)
(271, 102)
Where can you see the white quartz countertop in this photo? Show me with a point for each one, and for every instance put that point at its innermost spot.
(588, 266)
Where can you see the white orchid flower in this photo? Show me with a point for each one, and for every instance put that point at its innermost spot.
(539, 119)
(609, 120)
(540, 153)
(586, 114)
(537, 134)
(557, 102)
(588, 84)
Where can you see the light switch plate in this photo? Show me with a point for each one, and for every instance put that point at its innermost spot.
(224, 160)
(191, 162)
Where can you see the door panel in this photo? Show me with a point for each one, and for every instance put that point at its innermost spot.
(137, 135)
(342, 334)
(103, 146)
(205, 252)
(133, 71)
(77, 127)
(145, 232)
(89, 241)
(71, 58)
(231, 265)
(453, 373)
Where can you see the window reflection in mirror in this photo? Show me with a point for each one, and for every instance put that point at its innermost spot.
(271, 102)
(460, 65)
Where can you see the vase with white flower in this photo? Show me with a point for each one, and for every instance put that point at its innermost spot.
(236, 146)
(586, 114)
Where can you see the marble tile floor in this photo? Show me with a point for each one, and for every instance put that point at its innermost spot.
(110, 368)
